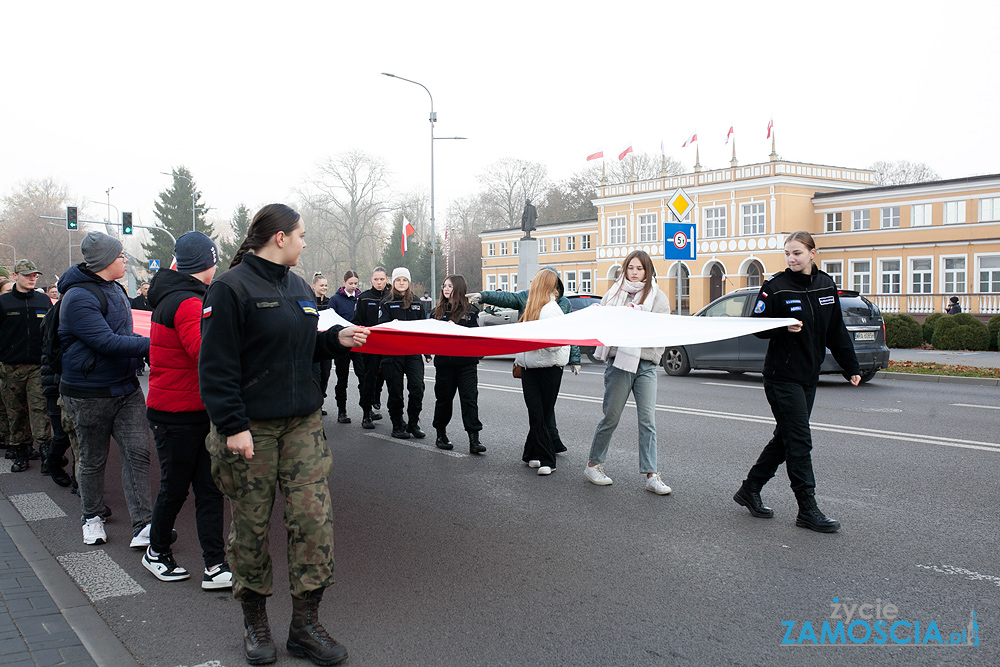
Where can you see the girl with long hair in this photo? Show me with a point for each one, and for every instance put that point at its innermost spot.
(541, 375)
(456, 373)
(345, 302)
(399, 304)
(631, 371)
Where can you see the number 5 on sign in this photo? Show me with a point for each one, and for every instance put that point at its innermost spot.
(680, 241)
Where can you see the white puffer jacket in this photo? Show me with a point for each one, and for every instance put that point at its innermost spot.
(547, 356)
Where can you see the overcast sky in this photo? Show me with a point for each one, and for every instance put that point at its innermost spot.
(251, 95)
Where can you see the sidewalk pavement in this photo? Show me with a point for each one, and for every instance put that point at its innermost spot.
(950, 357)
(44, 617)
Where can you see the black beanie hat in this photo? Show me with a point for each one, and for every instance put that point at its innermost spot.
(195, 252)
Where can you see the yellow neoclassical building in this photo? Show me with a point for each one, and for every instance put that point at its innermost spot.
(908, 248)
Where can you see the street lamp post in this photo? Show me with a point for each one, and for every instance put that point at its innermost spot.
(193, 203)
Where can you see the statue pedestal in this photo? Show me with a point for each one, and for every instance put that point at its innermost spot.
(527, 262)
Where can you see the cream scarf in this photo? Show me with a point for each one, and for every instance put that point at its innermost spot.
(625, 293)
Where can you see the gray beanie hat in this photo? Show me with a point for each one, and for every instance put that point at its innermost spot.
(100, 250)
(195, 252)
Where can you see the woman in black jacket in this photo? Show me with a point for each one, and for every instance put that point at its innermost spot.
(322, 368)
(399, 304)
(791, 373)
(259, 343)
(345, 303)
(456, 373)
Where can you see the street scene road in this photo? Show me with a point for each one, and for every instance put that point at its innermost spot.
(449, 559)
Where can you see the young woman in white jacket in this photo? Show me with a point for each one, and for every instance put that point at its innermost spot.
(542, 375)
(631, 371)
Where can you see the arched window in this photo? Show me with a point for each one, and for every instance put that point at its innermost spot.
(753, 274)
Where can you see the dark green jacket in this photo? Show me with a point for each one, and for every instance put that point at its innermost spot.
(518, 300)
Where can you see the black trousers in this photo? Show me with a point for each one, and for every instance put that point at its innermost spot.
(791, 404)
(540, 387)
(185, 463)
(462, 378)
(372, 380)
(324, 374)
(60, 441)
(395, 368)
(342, 365)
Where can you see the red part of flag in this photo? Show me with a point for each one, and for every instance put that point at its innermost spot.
(729, 135)
(770, 126)
(690, 140)
(594, 156)
(621, 156)
(407, 231)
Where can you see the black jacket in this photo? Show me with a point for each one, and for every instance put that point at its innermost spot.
(366, 312)
(259, 342)
(393, 309)
(813, 299)
(21, 316)
(470, 320)
(140, 302)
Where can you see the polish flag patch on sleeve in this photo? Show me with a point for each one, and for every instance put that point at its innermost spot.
(206, 313)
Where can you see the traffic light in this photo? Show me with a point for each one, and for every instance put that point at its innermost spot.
(126, 222)
(71, 221)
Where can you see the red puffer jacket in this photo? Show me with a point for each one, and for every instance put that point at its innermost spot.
(175, 342)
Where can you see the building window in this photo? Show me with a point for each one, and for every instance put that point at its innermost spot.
(491, 249)
(570, 243)
(504, 283)
(513, 247)
(921, 215)
(954, 212)
(833, 222)
(891, 276)
(586, 282)
(989, 274)
(569, 280)
(860, 220)
(491, 283)
(753, 275)
(541, 245)
(503, 248)
(954, 275)
(513, 281)
(715, 221)
(555, 244)
(616, 230)
(920, 275)
(753, 218)
(836, 271)
(585, 242)
(890, 217)
(647, 228)
(989, 209)
(861, 276)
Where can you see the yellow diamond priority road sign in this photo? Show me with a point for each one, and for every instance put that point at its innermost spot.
(680, 204)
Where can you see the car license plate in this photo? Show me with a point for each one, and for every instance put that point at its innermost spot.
(864, 335)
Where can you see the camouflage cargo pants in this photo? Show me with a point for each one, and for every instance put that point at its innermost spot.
(70, 429)
(291, 454)
(25, 404)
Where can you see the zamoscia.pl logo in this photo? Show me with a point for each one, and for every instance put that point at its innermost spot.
(875, 624)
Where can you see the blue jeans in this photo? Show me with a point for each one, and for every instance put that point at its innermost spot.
(618, 384)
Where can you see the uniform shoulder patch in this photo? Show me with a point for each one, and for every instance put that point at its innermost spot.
(826, 301)
(206, 312)
(308, 307)
(759, 308)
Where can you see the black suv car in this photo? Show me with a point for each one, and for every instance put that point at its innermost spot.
(746, 353)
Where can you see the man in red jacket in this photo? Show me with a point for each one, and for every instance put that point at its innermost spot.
(177, 416)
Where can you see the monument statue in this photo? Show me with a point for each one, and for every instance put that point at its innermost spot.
(528, 218)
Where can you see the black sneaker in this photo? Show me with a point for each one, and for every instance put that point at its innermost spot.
(217, 578)
(163, 566)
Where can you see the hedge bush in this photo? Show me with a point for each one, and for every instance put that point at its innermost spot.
(994, 327)
(961, 332)
(930, 324)
(902, 331)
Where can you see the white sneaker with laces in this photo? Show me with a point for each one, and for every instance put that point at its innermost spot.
(596, 475)
(217, 577)
(163, 566)
(534, 464)
(656, 485)
(141, 538)
(545, 470)
(93, 531)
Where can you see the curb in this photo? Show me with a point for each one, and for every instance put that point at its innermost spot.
(946, 379)
(102, 644)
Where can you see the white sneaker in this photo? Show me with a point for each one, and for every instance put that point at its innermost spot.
(141, 538)
(164, 567)
(545, 470)
(217, 577)
(93, 531)
(656, 485)
(596, 475)
(534, 464)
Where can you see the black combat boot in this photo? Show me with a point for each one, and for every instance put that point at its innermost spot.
(414, 429)
(749, 496)
(33, 453)
(307, 638)
(43, 466)
(20, 457)
(811, 517)
(442, 441)
(342, 417)
(366, 421)
(257, 643)
(474, 446)
(399, 430)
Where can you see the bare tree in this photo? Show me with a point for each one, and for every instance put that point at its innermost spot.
(467, 217)
(45, 242)
(507, 183)
(902, 172)
(643, 166)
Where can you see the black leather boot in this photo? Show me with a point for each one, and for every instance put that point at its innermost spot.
(442, 441)
(342, 417)
(307, 638)
(43, 464)
(366, 421)
(399, 431)
(749, 496)
(474, 446)
(414, 429)
(811, 517)
(257, 643)
(20, 457)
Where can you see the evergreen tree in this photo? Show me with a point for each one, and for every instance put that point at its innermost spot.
(173, 211)
(417, 258)
(228, 247)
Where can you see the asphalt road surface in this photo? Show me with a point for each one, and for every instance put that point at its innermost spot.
(448, 559)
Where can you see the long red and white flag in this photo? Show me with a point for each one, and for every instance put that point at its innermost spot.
(770, 127)
(626, 151)
(407, 231)
(690, 140)
(595, 156)
(729, 135)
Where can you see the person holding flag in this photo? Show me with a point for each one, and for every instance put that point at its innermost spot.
(400, 305)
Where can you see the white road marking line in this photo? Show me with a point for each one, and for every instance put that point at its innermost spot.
(5, 465)
(98, 575)
(738, 386)
(972, 405)
(968, 574)
(416, 444)
(36, 506)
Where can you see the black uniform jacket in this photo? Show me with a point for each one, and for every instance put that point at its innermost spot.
(470, 320)
(21, 316)
(813, 299)
(258, 344)
(366, 312)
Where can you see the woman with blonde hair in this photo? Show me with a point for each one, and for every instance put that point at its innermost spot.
(541, 375)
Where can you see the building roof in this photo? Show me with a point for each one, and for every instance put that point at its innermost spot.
(967, 180)
(539, 225)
